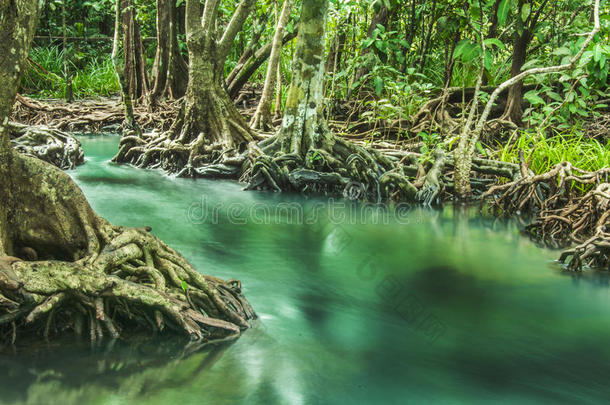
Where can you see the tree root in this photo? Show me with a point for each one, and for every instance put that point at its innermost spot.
(564, 218)
(48, 144)
(204, 141)
(338, 166)
(117, 280)
(92, 116)
(135, 279)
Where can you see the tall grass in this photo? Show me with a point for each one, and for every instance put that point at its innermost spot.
(96, 77)
(574, 147)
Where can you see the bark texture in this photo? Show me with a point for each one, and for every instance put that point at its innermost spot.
(304, 155)
(209, 130)
(64, 268)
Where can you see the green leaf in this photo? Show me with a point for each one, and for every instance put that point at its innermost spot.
(471, 52)
(529, 64)
(494, 41)
(378, 85)
(525, 11)
(572, 108)
(562, 51)
(598, 53)
(489, 60)
(503, 10)
(459, 48)
(554, 96)
(382, 46)
(185, 286)
(367, 42)
(533, 98)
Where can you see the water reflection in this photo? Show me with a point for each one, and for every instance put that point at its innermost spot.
(424, 307)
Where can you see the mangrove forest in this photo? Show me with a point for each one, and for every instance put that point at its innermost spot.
(304, 201)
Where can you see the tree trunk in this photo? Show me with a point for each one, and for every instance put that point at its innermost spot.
(242, 72)
(302, 126)
(121, 57)
(209, 130)
(424, 52)
(61, 262)
(169, 70)
(161, 65)
(262, 116)
(304, 154)
(134, 60)
(513, 110)
(178, 69)
(18, 21)
(258, 30)
(381, 17)
(67, 74)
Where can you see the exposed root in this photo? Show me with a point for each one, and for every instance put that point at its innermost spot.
(564, 217)
(202, 142)
(92, 115)
(98, 279)
(134, 279)
(334, 165)
(48, 144)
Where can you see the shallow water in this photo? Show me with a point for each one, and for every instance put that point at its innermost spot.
(357, 305)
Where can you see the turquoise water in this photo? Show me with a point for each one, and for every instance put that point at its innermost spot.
(358, 305)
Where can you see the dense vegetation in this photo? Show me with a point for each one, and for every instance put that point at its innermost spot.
(381, 101)
(384, 60)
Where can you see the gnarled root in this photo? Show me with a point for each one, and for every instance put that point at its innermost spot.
(563, 217)
(135, 282)
(205, 141)
(547, 191)
(594, 252)
(334, 166)
(75, 270)
(51, 145)
(583, 222)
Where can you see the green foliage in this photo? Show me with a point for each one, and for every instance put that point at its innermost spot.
(546, 152)
(96, 78)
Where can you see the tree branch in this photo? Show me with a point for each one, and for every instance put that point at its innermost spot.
(535, 71)
(237, 21)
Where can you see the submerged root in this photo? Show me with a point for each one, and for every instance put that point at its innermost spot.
(564, 218)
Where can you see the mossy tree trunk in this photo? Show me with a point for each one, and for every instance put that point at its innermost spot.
(262, 116)
(209, 130)
(304, 154)
(303, 126)
(64, 268)
(169, 69)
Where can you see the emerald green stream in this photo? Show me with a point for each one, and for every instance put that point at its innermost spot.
(357, 304)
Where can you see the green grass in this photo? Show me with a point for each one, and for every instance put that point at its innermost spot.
(96, 78)
(573, 147)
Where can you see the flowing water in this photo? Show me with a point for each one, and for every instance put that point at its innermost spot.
(358, 305)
